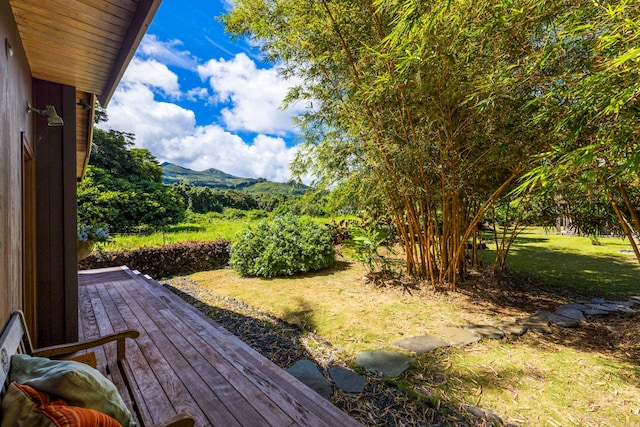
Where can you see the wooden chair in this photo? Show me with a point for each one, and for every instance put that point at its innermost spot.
(15, 339)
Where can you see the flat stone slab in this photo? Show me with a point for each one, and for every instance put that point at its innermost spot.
(538, 323)
(388, 363)
(308, 373)
(347, 380)
(562, 321)
(625, 303)
(580, 307)
(623, 309)
(571, 313)
(486, 331)
(598, 300)
(422, 344)
(602, 307)
(457, 336)
(511, 328)
(596, 312)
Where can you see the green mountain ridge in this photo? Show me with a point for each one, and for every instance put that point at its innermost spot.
(217, 179)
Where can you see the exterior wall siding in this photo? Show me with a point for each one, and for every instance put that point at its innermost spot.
(56, 216)
(15, 91)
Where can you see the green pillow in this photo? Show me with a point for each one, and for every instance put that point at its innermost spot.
(76, 383)
(25, 406)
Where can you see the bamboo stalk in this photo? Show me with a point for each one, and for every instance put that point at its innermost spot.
(623, 222)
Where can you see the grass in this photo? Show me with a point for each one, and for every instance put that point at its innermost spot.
(586, 377)
(213, 229)
(209, 227)
(572, 261)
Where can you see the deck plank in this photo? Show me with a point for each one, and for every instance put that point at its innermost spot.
(285, 390)
(89, 328)
(103, 327)
(177, 371)
(185, 362)
(207, 370)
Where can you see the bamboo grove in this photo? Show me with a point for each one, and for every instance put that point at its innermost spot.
(441, 107)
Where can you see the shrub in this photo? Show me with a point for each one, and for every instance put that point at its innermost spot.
(366, 237)
(283, 246)
(233, 213)
(165, 261)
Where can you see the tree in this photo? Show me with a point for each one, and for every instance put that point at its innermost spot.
(589, 98)
(424, 98)
(123, 187)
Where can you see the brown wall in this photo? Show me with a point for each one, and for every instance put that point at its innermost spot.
(51, 152)
(56, 216)
(15, 91)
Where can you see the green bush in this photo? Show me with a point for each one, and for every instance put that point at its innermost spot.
(164, 261)
(283, 246)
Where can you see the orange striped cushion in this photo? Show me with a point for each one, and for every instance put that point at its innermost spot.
(42, 409)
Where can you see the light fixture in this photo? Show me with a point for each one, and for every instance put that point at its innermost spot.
(84, 104)
(8, 49)
(53, 119)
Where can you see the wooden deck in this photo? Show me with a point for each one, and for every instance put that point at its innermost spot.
(184, 362)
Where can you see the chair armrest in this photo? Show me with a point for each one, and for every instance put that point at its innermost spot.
(180, 420)
(67, 349)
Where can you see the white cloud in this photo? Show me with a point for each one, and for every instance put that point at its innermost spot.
(213, 147)
(134, 109)
(197, 94)
(152, 74)
(169, 53)
(170, 131)
(255, 95)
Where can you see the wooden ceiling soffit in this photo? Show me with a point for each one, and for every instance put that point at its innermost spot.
(86, 44)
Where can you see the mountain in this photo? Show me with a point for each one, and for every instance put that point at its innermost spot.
(214, 178)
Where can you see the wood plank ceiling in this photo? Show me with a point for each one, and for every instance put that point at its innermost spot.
(86, 44)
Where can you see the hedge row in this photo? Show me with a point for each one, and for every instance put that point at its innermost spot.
(164, 261)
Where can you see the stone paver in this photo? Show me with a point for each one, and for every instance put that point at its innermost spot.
(562, 321)
(510, 328)
(347, 380)
(571, 313)
(580, 307)
(309, 374)
(596, 312)
(457, 336)
(537, 322)
(486, 331)
(623, 309)
(625, 303)
(388, 363)
(602, 307)
(422, 344)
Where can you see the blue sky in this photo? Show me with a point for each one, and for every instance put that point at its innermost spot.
(194, 97)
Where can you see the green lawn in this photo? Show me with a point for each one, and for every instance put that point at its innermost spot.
(213, 229)
(582, 377)
(572, 261)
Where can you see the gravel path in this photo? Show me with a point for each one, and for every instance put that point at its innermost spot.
(381, 404)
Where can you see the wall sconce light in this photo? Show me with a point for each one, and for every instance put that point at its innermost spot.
(8, 49)
(84, 104)
(53, 119)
